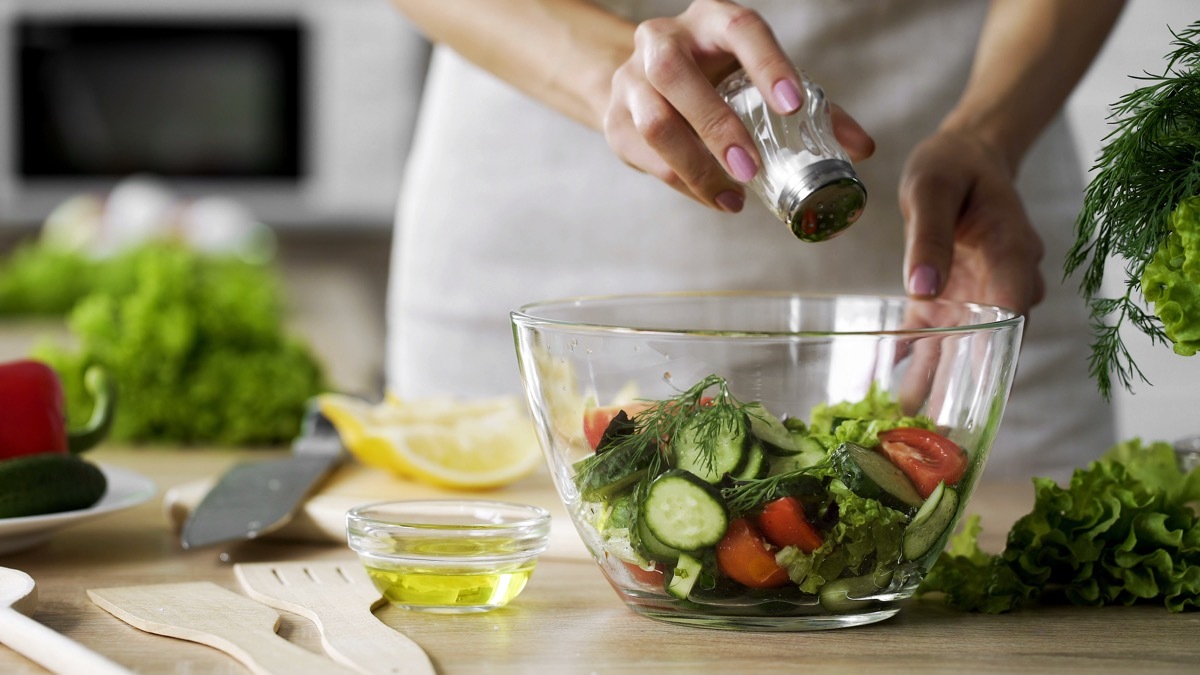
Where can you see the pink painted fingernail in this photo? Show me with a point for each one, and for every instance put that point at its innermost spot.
(730, 201)
(740, 164)
(923, 282)
(787, 96)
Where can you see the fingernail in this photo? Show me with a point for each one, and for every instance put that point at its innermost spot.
(740, 164)
(730, 201)
(923, 282)
(787, 96)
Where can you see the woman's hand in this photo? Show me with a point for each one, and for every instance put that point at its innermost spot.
(665, 118)
(967, 234)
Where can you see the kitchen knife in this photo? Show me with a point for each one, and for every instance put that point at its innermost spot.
(255, 498)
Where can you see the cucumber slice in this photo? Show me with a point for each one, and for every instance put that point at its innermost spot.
(771, 431)
(684, 512)
(932, 521)
(684, 577)
(709, 450)
(788, 464)
(756, 465)
(882, 474)
(851, 594)
(651, 547)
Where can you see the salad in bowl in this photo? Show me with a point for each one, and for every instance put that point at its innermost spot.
(765, 461)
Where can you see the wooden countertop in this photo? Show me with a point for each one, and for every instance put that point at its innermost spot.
(569, 620)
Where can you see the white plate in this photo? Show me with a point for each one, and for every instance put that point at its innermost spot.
(126, 489)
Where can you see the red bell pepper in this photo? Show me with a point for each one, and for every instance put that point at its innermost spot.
(32, 416)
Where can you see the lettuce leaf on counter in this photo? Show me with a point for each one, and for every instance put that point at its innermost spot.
(971, 579)
(196, 343)
(1120, 532)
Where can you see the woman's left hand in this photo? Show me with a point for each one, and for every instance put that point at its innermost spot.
(967, 234)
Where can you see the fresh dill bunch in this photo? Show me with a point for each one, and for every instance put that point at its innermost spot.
(1149, 164)
(708, 418)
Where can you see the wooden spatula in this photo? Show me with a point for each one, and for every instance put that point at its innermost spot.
(209, 614)
(338, 597)
(51, 649)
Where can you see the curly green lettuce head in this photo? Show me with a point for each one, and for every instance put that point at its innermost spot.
(1172, 278)
(197, 347)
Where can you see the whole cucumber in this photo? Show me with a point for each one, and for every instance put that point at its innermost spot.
(48, 483)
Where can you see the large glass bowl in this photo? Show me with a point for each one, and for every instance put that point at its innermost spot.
(784, 461)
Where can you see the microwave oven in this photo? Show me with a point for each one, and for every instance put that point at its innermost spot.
(300, 109)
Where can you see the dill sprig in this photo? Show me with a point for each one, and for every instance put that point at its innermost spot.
(1150, 162)
(746, 496)
(709, 418)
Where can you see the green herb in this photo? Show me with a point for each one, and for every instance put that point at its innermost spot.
(709, 418)
(195, 344)
(42, 280)
(1148, 167)
(745, 496)
(1121, 532)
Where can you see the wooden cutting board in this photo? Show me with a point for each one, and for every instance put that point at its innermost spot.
(322, 518)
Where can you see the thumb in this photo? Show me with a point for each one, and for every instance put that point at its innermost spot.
(854, 139)
(931, 208)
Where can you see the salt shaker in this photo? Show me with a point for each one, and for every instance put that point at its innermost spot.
(806, 178)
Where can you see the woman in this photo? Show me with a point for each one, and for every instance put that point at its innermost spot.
(520, 185)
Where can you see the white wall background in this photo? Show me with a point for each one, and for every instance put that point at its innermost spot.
(1170, 407)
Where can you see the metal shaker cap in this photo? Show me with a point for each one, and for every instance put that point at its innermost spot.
(822, 199)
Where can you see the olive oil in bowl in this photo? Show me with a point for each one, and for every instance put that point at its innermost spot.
(449, 556)
(451, 591)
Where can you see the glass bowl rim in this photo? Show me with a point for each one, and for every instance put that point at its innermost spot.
(526, 315)
(536, 516)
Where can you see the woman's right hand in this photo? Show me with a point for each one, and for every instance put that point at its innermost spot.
(665, 117)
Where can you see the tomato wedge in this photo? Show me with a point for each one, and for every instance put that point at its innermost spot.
(926, 457)
(596, 420)
(652, 578)
(784, 524)
(745, 556)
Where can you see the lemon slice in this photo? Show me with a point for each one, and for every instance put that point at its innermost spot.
(478, 444)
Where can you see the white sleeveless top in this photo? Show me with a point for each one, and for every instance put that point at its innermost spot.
(506, 202)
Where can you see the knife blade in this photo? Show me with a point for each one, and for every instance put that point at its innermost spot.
(255, 498)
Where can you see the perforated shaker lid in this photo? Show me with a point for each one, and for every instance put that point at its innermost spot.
(822, 200)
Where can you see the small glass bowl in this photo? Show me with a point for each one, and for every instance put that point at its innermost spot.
(448, 556)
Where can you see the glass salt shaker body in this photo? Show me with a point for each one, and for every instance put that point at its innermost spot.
(806, 178)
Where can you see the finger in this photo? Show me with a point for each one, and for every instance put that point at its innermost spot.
(731, 28)
(1017, 281)
(674, 74)
(930, 204)
(856, 141)
(648, 134)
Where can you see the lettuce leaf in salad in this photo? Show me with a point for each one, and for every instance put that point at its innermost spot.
(866, 539)
(865, 432)
(1121, 532)
(878, 403)
(860, 422)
